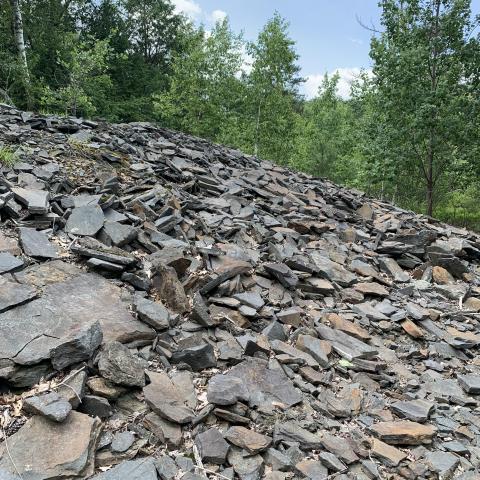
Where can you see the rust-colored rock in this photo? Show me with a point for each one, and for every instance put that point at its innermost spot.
(404, 432)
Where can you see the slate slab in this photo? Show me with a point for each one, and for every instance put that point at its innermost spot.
(85, 221)
(46, 456)
(140, 469)
(9, 263)
(13, 294)
(50, 405)
(211, 446)
(35, 200)
(253, 381)
(165, 398)
(36, 244)
(66, 315)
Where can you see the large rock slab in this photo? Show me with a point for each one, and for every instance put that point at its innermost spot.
(9, 263)
(36, 244)
(141, 469)
(64, 323)
(253, 381)
(13, 294)
(36, 201)
(45, 450)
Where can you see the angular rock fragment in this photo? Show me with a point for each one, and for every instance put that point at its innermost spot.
(46, 455)
(404, 432)
(13, 294)
(165, 398)
(387, 454)
(85, 221)
(470, 383)
(35, 200)
(50, 405)
(249, 440)
(415, 410)
(254, 382)
(312, 469)
(36, 244)
(313, 346)
(212, 447)
(152, 313)
(118, 365)
(247, 467)
(140, 469)
(199, 357)
(117, 234)
(9, 263)
(291, 431)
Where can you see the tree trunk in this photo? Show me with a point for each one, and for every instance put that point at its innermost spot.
(257, 128)
(430, 183)
(429, 197)
(19, 38)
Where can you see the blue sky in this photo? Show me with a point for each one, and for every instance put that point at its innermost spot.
(327, 32)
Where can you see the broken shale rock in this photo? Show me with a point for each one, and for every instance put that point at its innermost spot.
(249, 302)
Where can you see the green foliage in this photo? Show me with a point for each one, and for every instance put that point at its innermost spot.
(7, 156)
(273, 97)
(86, 79)
(201, 99)
(426, 83)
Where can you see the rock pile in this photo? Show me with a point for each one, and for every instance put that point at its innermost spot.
(170, 308)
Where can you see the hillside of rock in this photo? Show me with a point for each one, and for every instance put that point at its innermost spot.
(171, 308)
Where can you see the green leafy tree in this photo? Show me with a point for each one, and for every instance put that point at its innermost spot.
(427, 89)
(204, 86)
(85, 65)
(273, 91)
(325, 131)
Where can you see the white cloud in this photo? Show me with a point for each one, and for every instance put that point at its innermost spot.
(347, 76)
(188, 7)
(357, 41)
(217, 16)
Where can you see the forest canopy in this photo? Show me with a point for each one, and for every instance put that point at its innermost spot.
(408, 133)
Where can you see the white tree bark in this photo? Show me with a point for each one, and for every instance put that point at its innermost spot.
(19, 38)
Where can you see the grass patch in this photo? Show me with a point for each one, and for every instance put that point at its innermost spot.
(8, 157)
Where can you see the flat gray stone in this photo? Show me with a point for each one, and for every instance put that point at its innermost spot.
(332, 271)
(443, 463)
(50, 405)
(63, 320)
(211, 446)
(291, 431)
(13, 294)
(9, 263)
(85, 221)
(254, 382)
(117, 234)
(39, 448)
(36, 244)
(152, 313)
(470, 383)
(36, 201)
(122, 441)
(166, 398)
(313, 347)
(415, 410)
(141, 469)
(247, 467)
